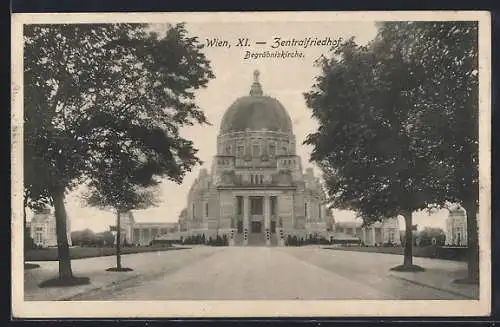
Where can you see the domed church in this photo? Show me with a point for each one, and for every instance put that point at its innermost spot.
(256, 192)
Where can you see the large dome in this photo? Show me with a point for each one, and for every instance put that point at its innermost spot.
(256, 112)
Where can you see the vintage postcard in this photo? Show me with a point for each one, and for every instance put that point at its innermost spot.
(270, 164)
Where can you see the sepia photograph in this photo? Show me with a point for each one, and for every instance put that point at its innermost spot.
(251, 164)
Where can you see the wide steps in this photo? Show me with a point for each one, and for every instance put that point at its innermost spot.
(255, 239)
(238, 239)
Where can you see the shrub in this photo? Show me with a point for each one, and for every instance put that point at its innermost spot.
(218, 241)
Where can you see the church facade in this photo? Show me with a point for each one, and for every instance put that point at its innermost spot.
(42, 228)
(456, 228)
(256, 191)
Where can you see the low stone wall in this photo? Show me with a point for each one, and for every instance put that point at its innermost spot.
(433, 252)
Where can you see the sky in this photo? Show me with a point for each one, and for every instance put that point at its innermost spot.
(284, 79)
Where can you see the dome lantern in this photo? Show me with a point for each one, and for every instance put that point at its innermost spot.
(256, 89)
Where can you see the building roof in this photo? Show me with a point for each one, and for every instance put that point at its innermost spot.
(256, 112)
(457, 214)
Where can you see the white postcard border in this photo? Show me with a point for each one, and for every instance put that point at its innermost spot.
(149, 309)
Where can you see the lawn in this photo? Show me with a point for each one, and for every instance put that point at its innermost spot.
(50, 254)
(434, 252)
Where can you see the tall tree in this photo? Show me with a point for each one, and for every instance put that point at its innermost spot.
(52, 154)
(81, 81)
(390, 109)
(114, 191)
(364, 144)
(446, 53)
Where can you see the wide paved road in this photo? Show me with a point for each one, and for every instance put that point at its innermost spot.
(259, 273)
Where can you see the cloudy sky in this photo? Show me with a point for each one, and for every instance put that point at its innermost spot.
(284, 79)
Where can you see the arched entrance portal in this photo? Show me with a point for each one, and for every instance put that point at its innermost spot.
(256, 214)
(256, 221)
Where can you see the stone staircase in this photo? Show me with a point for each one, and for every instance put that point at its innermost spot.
(238, 239)
(255, 239)
(274, 239)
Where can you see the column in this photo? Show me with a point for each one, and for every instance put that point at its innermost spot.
(267, 219)
(234, 215)
(150, 237)
(364, 234)
(373, 235)
(140, 236)
(234, 221)
(246, 212)
(306, 211)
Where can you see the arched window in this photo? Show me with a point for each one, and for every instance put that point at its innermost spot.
(272, 149)
(305, 209)
(251, 179)
(273, 205)
(256, 150)
(239, 205)
(206, 209)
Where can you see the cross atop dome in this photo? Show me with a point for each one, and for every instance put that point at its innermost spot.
(256, 89)
(256, 74)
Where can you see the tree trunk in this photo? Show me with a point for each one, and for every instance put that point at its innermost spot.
(26, 235)
(408, 251)
(472, 242)
(118, 240)
(65, 271)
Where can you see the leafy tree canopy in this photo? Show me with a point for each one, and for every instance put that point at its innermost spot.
(379, 143)
(88, 87)
(97, 93)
